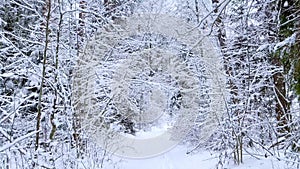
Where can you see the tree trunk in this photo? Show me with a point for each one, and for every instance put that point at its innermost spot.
(55, 101)
(39, 114)
(78, 94)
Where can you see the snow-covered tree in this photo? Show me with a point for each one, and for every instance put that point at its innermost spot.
(287, 51)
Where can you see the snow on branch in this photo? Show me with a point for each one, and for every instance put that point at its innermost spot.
(288, 41)
(9, 145)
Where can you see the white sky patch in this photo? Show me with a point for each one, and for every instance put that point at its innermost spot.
(286, 4)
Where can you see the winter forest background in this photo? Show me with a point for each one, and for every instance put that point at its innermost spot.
(42, 45)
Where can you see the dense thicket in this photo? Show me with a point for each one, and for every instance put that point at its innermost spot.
(42, 41)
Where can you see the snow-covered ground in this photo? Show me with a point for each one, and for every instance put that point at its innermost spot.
(178, 159)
